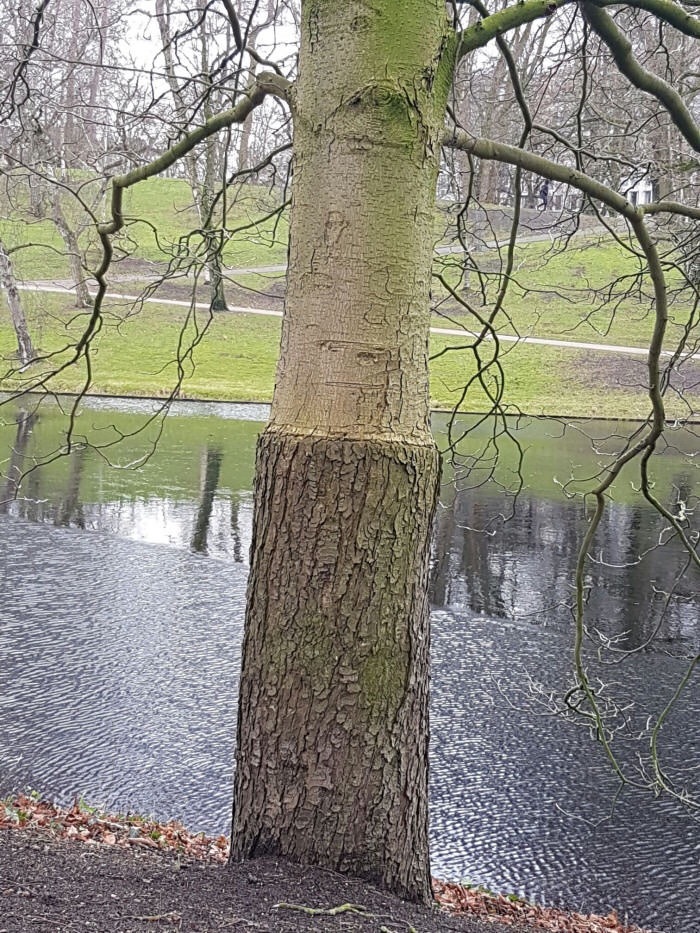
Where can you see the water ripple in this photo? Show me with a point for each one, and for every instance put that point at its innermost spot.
(119, 662)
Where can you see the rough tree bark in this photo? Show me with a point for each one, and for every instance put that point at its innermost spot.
(333, 712)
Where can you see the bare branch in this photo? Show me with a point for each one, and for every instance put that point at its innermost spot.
(18, 76)
(265, 83)
(665, 10)
(501, 152)
(235, 25)
(481, 33)
(621, 49)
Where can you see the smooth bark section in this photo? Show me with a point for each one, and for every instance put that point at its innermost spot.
(333, 710)
(369, 110)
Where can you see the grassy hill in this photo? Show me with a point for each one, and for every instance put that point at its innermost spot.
(594, 291)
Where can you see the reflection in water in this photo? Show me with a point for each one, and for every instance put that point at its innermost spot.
(10, 481)
(127, 695)
(520, 800)
(70, 507)
(210, 481)
(525, 568)
(236, 534)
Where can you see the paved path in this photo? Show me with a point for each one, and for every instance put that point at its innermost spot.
(440, 331)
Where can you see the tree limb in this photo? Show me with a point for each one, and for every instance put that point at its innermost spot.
(235, 25)
(264, 84)
(665, 10)
(481, 33)
(501, 152)
(646, 443)
(621, 49)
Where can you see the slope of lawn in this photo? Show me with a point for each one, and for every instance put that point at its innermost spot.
(235, 356)
(161, 226)
(592, 292)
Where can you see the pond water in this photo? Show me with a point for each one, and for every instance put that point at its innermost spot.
(121, 616)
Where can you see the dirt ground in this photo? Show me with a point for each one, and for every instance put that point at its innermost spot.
(55, 885)
(78, 869)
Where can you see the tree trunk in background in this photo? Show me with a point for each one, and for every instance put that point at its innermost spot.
(70, 239)
(212, 237)
(25, 350)
(203, 188)
(247, 125)
(332, 758)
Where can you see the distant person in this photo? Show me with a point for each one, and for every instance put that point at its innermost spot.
(544, 196)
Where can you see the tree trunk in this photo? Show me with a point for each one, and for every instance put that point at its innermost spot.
(217, 295)
(333, 712)
(213, 239)
(247, 125)
(214, 275)
(25, 350)
(70, 239)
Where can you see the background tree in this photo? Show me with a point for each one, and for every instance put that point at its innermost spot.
(25, 348)
(59, 145)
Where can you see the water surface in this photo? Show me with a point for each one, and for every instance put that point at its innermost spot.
(120, 627)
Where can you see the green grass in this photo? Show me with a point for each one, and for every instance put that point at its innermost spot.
(134, 354)
(37, 251)
(162, 221)
(535, 379)
(589, 293)
(161, 227)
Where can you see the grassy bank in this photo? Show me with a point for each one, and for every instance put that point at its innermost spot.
(592, 292)
(235, 357)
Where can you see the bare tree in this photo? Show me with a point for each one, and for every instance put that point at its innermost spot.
(25, 349)
(59, 145)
